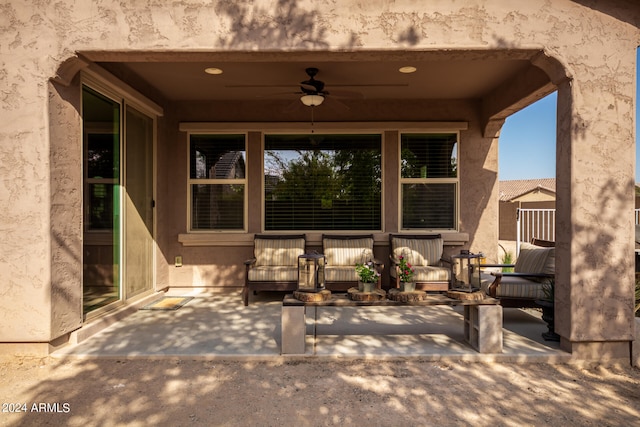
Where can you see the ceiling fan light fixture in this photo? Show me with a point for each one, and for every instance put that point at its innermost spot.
(312, 100)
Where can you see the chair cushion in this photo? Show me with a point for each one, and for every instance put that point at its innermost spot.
(535, 259)
(347, 252)
(418, 252)
(278, 252)
(266, 273)
(516, 287)
(427, 274)
(340, 274)
(550, 264)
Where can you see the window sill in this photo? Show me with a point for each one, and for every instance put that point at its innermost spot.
(216, 239)
(313, 239)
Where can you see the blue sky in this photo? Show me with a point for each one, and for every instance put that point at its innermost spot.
(527, 147)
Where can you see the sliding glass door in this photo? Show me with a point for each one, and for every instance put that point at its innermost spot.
(138, 206)
(118, 239)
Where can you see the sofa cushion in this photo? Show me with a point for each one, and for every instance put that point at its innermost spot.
(418, 252)
(278, 252)
(535, 259)
(347, 252)
(340, 274)
(266, 273)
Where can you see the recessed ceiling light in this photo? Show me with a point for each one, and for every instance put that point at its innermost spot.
(213, 70)
(408, 69)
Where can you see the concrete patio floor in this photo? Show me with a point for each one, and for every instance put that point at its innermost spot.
(217, 325)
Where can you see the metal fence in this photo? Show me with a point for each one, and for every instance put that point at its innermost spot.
(540, 224)
(535, 223)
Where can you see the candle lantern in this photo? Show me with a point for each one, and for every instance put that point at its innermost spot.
(311, 272)
(465, 271)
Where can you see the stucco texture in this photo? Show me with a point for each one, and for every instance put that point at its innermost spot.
(588, 52)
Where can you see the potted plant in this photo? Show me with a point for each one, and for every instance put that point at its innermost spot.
(548, 306)
(367, 276)
(405, 275)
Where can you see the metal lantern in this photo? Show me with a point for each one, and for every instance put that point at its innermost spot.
(465, 271)
(311, 272)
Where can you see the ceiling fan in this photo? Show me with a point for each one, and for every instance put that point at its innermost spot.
(311, 91)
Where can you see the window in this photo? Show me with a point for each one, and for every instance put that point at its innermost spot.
(217, 182)
(322, 182)
(429, 181)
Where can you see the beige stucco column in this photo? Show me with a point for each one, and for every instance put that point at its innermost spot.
(594, 223)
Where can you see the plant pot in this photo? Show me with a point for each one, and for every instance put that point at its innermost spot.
(548, 314)
(368, 287)
(407, 286)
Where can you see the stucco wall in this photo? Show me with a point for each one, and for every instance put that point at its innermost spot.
(594, 41)
(220, 263)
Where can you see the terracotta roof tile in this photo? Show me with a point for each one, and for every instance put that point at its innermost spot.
(517, 187)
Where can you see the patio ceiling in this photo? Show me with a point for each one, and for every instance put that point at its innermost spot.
(502, 81)
(439, 75)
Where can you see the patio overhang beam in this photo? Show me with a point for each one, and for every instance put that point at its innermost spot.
(535, 82)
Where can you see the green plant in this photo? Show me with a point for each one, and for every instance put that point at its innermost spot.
(367, 272)
(405, 271)
(507, 259)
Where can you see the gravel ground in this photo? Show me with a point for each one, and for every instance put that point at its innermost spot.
(312, 392)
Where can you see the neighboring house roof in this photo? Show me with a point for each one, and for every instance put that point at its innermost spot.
(225, 167)
(513, 189)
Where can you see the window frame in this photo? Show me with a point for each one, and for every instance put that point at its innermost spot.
(114, 182)
(402, 181)
(209, 181)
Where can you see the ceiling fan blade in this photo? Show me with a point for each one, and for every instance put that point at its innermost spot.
(309, 87)
(279, 94)
(293, 106)
(259, 85)
(346, 94)
(335, 104)
(370, 85)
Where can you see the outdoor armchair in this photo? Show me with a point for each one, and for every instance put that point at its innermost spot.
(534, 267)
(274, 266)
(424, 252)
(342, 253)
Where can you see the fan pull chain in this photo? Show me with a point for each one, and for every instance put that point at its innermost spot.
(312, 108)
